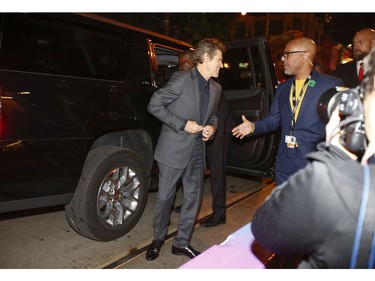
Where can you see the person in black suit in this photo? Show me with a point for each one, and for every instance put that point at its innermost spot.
(187, 107)
(216, 152)
(363, 42)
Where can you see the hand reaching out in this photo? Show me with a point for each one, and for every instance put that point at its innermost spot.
(243, 129)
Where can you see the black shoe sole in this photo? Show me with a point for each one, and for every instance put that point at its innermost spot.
(223, 221)
(177, 253)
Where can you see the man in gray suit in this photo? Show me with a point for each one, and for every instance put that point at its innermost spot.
(187, 107)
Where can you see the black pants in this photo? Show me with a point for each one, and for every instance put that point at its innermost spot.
(216, 152)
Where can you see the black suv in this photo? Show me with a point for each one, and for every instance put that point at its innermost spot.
(74, 129)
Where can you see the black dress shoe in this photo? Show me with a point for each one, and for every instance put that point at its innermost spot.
(213, 221)
(154, 250)
(185, 251)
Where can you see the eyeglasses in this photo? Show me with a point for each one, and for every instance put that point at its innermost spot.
(286, 54)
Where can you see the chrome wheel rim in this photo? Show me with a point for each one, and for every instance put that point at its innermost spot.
(118, 196)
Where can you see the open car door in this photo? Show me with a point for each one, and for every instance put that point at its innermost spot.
(248, 80)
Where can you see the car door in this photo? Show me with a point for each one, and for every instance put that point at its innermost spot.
(248, 80)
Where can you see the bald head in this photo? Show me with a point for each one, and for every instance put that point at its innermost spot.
(298, 57)
(368, 33)
(304, 43)
(363, 42)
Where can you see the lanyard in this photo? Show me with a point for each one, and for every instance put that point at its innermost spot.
(296, 102)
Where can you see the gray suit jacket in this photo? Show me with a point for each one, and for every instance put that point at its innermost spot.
(174, 104)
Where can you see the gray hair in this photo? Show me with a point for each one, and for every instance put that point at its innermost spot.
(209, 46)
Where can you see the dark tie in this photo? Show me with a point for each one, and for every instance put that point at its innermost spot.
(361, 72)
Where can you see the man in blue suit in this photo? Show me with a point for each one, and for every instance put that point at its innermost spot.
(294, 109)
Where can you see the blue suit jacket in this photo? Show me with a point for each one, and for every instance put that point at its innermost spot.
(309, 129)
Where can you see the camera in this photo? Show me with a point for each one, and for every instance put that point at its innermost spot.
(352, 127)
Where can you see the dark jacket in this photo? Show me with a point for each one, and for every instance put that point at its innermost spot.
(225, 118)
(348, 74)
(315, 212)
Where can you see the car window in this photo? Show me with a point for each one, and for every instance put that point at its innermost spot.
(50, 45)
(166, 59)
(107, 55)
(242, 69)
(32, 43)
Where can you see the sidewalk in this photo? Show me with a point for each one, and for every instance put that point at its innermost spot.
(46, 241)
(203, 238)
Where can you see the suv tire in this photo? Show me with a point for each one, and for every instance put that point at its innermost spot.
(111, 194)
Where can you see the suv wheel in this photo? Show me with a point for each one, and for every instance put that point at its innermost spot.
(111, 194)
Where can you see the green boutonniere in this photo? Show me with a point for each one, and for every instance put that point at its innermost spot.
(312, 83)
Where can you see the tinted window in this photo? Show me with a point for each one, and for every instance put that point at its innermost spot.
(106, 54)
(242, 70)
(40, 43)
(167, 59)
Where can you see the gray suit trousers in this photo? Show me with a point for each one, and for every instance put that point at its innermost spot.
(192, 181)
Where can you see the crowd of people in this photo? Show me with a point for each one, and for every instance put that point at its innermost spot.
(318, 208)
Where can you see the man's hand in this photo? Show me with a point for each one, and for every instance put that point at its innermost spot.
(207, 132)
(192, 127)
(243, 129)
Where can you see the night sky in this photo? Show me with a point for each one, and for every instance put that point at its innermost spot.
(343, 26)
